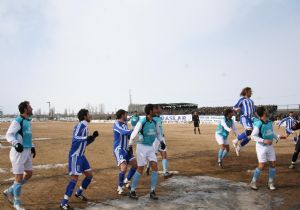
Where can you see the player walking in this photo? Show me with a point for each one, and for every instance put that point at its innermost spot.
(78, 163)
(264, 136)
(223, 129)
(247, 110)
(121, 135)
(148, 131)
(196, 121)
(19, 134)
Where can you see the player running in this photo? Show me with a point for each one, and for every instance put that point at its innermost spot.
(148, 131)
(295, 126)
(157, 147)
(289, 121)
(264, 136)
(196, 121)
(121, 135)
(19, 134)
(247, 110)
(78, 163)
(223, 129)
(135, 118)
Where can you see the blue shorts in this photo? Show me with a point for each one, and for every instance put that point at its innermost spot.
(122, 156)
(78, 165)
(246, 123)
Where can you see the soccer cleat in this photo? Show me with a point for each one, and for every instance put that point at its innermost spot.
(253, 185)
(9, 196)
(133, 195)
(66, 207)
(271, 186)
(81, 197)
(237, 150)
(168, 175)
(220, 164)
(120, 190)
(127, 183)
(292, 166)
(19, 207)
(153, 195)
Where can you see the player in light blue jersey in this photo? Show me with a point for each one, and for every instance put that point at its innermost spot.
(123, 158)
(157, 146)
(19, 134)
(148, 131)
(135, 118)
(264, 135)
(289, 121)
(78, 162)
(222, 132)
(247, 111)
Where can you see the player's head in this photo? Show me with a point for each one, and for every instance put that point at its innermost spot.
(296, 125)
(121, 115)
(25, 108)
(261, 112)
(228, 113)
(83, 114)
(156, 109)
(291, 114)
(149, 109)
(246, 92)
(135, 112)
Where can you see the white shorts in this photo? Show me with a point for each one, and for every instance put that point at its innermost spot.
(20, 162)
(265, 153)
(145, 154)
(156, 145)
(221, 140)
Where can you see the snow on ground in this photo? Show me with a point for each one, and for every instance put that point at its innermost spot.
(199, 192)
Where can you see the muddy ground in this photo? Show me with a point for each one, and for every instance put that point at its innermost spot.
(193, 156)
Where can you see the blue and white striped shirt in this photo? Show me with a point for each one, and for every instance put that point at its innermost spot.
(79, 141)
(247, 107)
(121, 135)
(289, 123)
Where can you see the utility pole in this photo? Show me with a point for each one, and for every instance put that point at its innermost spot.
(130, 97)
(49, 103)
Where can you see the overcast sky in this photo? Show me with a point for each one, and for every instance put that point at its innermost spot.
(77, 52)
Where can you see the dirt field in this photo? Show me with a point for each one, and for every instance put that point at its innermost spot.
(190, 154)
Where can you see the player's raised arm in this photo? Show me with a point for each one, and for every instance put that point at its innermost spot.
(121, 130)
(238, 105)
(282, 121)
(135, 132)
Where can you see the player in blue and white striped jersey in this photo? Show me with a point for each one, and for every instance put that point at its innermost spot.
(78, 163)
(123, 158)
(289, 121)
(247, 110)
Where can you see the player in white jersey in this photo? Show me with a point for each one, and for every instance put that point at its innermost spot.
(19, 135)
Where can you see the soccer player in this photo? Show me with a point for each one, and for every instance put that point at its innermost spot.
(121, 136)
(156, 144)
(289, 121)
(148, 131)
(247, 110)
(223, 129)
(264, 135)
(134, 119)
(19, 134)
(78, 163)
(295, 126)
(196, 121)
